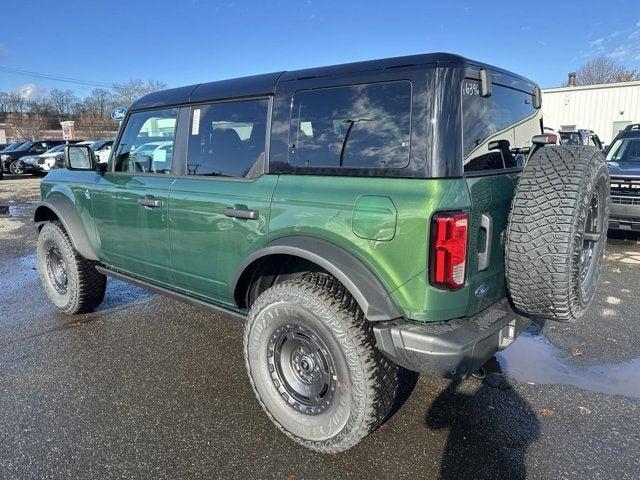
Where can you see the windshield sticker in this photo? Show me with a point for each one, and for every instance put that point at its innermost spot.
(471, 88)
(195, 123)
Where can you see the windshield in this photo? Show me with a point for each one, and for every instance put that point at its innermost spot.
(570, 138)
(24, 146)
(625, 150)
(12, 146)
(57, 148)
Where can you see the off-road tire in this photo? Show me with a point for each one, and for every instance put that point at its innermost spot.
(546, 235)
(85, 287)
(366, 381)
(15, 168)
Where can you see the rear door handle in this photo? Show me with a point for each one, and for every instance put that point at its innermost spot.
(486, 223)
(149, 202)
(242, 213)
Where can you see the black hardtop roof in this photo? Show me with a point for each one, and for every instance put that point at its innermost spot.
(265, 84)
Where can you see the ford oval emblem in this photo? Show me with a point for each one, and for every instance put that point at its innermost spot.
(482, 290)
(119, 113)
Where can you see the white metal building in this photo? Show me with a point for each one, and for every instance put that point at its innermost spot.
(605, 109)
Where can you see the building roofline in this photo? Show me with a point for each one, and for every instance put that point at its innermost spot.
(635, 83)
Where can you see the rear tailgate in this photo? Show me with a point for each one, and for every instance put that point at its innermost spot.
(491, 201)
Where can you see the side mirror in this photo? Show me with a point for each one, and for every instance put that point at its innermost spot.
(79, 157)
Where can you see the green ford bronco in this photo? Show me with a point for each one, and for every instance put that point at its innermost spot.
(361, 218)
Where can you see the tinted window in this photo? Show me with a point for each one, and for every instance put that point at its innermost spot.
(228, 139)
(571, 138)
(358, 126)
(494, 127)
(146, 145)
(625, 150)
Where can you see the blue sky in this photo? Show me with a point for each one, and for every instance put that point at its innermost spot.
(190, 41)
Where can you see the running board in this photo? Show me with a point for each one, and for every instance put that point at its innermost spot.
(170, 293)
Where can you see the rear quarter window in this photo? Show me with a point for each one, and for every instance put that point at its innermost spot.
(495, 128)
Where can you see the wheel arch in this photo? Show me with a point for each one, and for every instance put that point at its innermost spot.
(316, 254)
(59, 209)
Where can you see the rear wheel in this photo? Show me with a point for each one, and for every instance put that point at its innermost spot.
(72, 282)
(313, 364)
(557, 232)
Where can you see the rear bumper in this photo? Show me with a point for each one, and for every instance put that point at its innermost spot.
(455, 348)
(624, 213)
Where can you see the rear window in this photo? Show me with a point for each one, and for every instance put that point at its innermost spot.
(356, 126)
(571, 138)
(494, 127)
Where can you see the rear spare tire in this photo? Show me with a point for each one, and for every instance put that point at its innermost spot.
(557, 231)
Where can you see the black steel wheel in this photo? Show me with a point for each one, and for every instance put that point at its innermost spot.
(302, 368)
(56, 268)
(314, 366)
(594, 235)
(71, 282)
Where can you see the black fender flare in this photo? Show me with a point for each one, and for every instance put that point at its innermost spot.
(68, 215)
(358, 279)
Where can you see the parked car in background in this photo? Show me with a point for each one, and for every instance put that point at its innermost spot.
(623, 156)
(38, 164)
(11, 158)
(581, 137)
(556, 135)
(11, 146)
(102, 149)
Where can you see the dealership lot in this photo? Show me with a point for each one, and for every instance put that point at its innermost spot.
(150, 387)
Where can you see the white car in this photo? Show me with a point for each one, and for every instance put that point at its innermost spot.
(152, 156)
(43, 163)
(102, 149)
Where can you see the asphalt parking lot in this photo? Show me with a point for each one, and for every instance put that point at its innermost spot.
(147, 387)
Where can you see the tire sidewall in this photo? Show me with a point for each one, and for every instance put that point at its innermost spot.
(52, 235)
(279, 307)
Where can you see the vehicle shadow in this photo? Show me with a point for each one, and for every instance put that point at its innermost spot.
(490, 428)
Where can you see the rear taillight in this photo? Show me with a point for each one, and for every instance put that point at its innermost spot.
(449, 249)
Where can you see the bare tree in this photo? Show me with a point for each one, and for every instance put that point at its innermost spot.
(31, 118)
(129, 92)
(99, 102)
(63, 103)
(30, 124)
(604, 70)
(12, 102)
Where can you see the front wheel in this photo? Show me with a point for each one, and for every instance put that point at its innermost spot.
(16, 167)
(71, 282)
(313, 364)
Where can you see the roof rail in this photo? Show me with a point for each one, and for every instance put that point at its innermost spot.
(633, 126)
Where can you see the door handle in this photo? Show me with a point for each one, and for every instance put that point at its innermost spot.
(241, 213)
(486, 224)
(149, 202)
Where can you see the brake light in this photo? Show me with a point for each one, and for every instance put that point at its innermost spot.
(449, 249)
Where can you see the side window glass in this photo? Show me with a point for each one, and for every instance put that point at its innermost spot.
(146, 145)
(496, 130)
(228, 139)
(357, 126)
